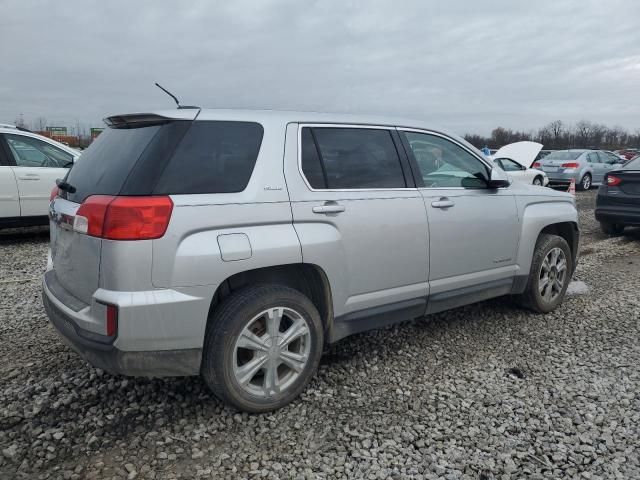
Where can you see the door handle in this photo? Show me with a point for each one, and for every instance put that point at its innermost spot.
(29, 176)
(444, 202)
(329, 207)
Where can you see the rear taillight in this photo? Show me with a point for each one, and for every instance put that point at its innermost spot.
(612, 180)
(570, 165)
(54, 193)
(112, 320)
(536, 165)
(124, 218)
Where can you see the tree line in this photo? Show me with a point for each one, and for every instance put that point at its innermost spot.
(557, 136)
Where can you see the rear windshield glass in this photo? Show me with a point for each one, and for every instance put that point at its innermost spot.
(105, 165)
(633, 164)
(178, 157)
(563, 155)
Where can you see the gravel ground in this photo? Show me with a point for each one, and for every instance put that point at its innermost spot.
(481, 392)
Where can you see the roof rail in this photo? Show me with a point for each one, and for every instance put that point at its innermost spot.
(8, 125)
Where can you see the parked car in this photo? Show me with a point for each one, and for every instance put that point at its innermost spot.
(627, 153)
(586, 167)
(516, 159)
(29, 167)
(618, 201)
(236, 245)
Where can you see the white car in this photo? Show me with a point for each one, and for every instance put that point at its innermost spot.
(29, 167)
(516, 159)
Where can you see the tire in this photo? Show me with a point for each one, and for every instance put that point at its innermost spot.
(613, 229)
(538, 181)
(533, 297)
(224, 353)
(585, 182)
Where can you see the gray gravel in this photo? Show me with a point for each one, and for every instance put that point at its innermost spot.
(482, 392)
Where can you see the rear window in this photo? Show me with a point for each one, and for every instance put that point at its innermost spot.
(633, 164)
(176, 157)
(563, 155)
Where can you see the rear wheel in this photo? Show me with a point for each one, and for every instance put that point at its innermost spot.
(262, 346)
(538, 181)
(585, 183)
(550, 274)
(613, 229)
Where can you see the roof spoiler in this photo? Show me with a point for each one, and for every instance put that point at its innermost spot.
(135, 120)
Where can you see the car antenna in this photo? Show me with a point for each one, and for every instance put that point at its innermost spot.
(175, 99)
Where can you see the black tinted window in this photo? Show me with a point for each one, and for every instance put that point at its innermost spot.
(213, 157)
(311, 166)
(359, 158)
(106, 164)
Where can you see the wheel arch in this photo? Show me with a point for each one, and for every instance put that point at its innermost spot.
(557, 218)
(569, 231)
(309, 279)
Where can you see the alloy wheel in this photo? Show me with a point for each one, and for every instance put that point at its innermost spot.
(553, 275)
(586, 182)
(271, 351)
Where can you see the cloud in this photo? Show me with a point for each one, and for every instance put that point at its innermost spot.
(466, 65)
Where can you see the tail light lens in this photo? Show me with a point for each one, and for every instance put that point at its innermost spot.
(612, 180)
(570, 165)
(124, 218)
(54, 193)
(536, 165)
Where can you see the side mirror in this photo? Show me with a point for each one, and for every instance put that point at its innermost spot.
(498, 179)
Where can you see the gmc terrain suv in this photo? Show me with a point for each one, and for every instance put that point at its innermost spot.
(236, 245)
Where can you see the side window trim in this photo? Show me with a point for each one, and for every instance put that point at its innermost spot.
(6, 157)
(320, 159)
(417, 177)
(313, 126)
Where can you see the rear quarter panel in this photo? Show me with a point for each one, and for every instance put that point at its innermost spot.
(189, 252)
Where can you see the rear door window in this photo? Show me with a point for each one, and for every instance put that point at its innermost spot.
(593, 158)
(351, 158)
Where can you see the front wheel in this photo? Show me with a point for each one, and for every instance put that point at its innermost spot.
(262, 347)
(538, 181)
(550, 274)
(585, 183)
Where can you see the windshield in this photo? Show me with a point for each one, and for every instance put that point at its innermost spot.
(563, 155)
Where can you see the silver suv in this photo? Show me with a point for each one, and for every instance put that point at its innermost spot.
(237, 245)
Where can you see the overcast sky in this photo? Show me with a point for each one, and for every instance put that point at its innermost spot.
(466, 65)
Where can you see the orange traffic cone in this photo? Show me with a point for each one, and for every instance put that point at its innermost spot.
(572, 187)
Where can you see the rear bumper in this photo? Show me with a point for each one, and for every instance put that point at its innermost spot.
(619, 214)
(100, 352)
(562, 178)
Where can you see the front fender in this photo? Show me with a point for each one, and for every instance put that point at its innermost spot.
(535, 217)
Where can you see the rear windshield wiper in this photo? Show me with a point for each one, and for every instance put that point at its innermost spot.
(65, 186)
